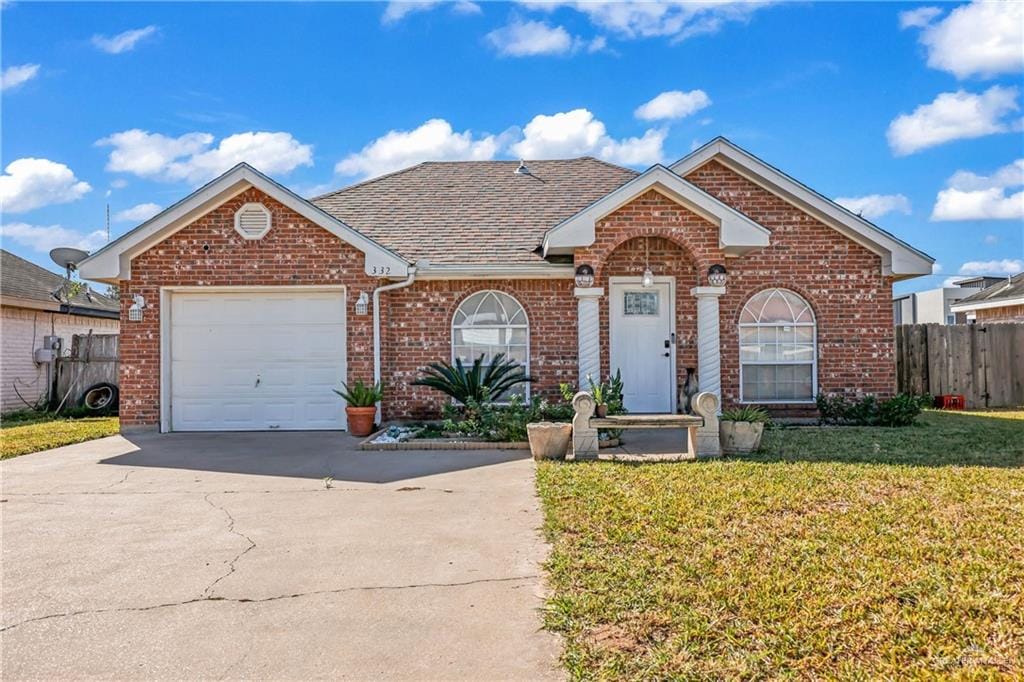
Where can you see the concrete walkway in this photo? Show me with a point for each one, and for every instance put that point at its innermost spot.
(227, 556)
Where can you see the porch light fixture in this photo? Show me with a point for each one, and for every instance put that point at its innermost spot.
(584, 276)
(362, 303)
(648, 278)
(717, 275)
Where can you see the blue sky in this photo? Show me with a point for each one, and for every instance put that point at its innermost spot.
(911, 112)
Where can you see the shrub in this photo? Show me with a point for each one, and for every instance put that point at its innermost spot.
(900, 410)
(359, 394)
(748, 413)
(479, 384)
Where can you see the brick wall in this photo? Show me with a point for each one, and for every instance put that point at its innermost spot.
(23, 330)
(418, 331)
(840, 279)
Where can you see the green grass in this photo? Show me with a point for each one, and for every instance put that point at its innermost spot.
(851, 553)
(23, 434)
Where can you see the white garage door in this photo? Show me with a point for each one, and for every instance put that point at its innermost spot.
(255, 360)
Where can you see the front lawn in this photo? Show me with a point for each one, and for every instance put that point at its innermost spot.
(846, 552)
(25, 435)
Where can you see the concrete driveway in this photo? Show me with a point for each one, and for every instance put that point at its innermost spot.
(227, 556)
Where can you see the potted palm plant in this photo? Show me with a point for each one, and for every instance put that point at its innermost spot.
(362, 405)
(741, 429)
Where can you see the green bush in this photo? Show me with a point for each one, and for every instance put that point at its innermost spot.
(499, 423)
(747, 413)
(479, 384)
(900, 410)
(359, 394)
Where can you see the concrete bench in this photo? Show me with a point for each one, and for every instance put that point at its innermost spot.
(701, 429)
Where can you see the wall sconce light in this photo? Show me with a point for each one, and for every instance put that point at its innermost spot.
(362, 303)
(135, 311)
(584, 276)
(717, 275)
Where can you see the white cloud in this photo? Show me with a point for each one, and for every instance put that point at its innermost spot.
(991, 239)
(918, 18)
(30, 183)
(13, 76)
(399, 9)
(936, 268)
(678, 19)
(969, 196)
(191, 158)
(874, 206)
(122, 42)
(530, 38)
(999, 267)
(137, 214)
(951, 116)
(577, 133)
(43, 238)
(433, 141)
(673, 104)
(983, 38)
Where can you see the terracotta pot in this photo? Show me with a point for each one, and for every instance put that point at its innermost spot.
(548, 440)
(740, 438)
(360, 420)
(601, 410)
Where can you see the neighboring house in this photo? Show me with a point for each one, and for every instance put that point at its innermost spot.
(31, 309)
(257, 302)
(1001, 302)
(933, 306)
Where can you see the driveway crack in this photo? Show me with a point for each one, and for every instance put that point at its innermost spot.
(231, 529)
(263, 600)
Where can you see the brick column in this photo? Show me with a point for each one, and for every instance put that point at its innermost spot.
(588, 333)
(709, 359)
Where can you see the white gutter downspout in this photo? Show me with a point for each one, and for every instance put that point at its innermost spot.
(376, 324)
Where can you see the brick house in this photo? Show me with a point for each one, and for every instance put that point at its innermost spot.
(243, 304)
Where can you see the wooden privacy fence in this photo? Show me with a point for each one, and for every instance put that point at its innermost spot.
(982, 362)
(93, 360)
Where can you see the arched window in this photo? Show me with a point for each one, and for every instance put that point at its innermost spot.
(778, 349)
(488, 323)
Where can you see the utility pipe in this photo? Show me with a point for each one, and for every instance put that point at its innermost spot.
(410, 278)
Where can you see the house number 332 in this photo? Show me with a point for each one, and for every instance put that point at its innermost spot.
(381, 270)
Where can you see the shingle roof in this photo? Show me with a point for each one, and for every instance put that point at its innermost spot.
(472, 212)
(1012, 288)
(20, 278)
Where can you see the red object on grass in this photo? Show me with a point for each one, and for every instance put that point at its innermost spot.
(949, 402)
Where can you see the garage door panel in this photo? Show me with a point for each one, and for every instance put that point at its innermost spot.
(221, 342)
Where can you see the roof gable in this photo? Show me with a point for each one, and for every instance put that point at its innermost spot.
(113, 261)
(899, 259)
(738, 234)
(1009, 291)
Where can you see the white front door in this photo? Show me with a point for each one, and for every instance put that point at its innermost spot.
(252, 360)
(642, 343)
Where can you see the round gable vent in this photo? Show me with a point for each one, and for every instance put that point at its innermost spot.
(252, 221)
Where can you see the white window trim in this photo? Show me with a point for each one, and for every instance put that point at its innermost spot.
(814, 355)
(238, 219)
(526, 325)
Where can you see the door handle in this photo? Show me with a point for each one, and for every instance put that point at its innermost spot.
(257, 381)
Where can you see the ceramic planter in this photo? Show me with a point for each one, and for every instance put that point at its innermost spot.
(360, 420)
(601, 410)
(740, 438)
(548, 440)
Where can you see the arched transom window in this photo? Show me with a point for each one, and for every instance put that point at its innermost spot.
(488, 323)
(778, 354)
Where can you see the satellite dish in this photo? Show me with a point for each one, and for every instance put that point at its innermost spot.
(67, 257)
